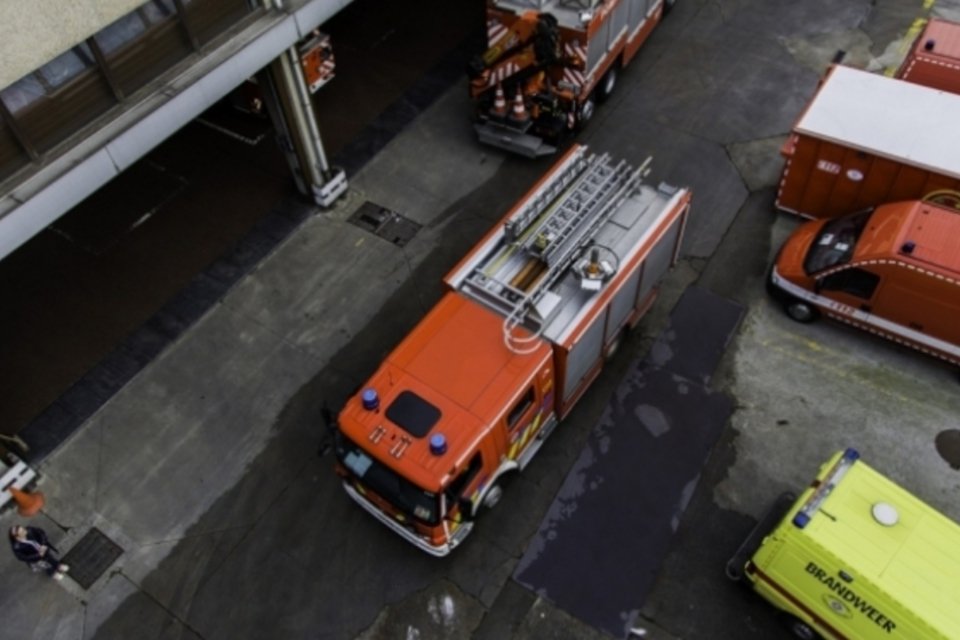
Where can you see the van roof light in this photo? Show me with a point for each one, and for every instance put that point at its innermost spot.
(885, 513)
(825, 488)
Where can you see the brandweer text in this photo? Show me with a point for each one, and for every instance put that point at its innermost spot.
(848, 595)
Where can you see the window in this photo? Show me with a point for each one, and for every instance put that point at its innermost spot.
(462, 481)
(143, 44)
(835, 243)
(12, 154)
(59, 98)
(520, 408)
(413, 414)
(209, 18)
(398, 491)
(856, 282)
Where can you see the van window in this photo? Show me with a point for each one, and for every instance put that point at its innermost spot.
(856, 282)
(835, 243)
(520, 408)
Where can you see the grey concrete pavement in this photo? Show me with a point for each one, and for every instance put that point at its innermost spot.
(205, 467)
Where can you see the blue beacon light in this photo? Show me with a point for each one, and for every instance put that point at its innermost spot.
(438, 444)
(370, 399)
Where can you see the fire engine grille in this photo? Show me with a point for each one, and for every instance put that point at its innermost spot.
(91, 557)
(385, 223)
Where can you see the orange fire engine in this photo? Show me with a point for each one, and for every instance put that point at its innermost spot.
(470, 395)
(549, 61)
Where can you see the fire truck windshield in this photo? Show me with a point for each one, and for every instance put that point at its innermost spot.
(401, 493)
(835, 243)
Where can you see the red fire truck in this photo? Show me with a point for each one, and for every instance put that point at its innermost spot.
(530, 315)
(548, 63)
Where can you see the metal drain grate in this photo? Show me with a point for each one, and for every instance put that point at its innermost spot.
(91, 556)
(385, 223)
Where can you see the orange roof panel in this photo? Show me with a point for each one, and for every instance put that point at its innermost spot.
(454, 376)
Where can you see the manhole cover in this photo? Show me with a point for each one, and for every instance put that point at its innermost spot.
(385, 223)
(948, 446)
(91, 556)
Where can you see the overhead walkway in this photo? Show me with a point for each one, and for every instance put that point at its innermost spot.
(40, 194)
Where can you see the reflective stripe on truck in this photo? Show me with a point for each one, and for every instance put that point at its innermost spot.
(870, 322)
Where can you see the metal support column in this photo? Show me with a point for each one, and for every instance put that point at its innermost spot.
(297, 125)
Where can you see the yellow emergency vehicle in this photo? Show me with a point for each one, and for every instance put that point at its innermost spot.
(856, 556)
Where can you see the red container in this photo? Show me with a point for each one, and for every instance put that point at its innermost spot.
(866, 139)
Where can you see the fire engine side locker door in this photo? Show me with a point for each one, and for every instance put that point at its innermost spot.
(580, 355)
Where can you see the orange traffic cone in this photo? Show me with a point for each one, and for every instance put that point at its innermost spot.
(499, 103)
(519, 109)
(28, 504)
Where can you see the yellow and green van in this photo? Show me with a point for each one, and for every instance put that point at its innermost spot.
(856, 556)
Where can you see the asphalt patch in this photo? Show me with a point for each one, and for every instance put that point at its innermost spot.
(599, 549)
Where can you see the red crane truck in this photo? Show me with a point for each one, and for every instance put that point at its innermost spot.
(548, 62)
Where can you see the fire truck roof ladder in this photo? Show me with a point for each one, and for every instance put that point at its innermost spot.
(546, 235)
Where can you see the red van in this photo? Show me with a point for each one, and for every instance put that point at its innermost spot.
(893, 271)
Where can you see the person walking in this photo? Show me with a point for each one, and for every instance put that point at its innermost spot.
(31, 545)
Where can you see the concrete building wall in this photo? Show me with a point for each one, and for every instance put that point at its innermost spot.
(33, 33)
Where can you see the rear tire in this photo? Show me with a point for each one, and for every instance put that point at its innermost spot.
(607, 84)
(800, 311)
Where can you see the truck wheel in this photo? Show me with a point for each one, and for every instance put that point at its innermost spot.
(492, 497)
(800, 311)
(615, 345)
(586, 112)
(607, 84)
(801, 629)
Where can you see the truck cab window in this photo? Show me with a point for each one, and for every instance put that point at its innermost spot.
(856, 282)
(462, 481)
(520, 408)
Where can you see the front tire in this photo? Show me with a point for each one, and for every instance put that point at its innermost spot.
(800, 311)
(493, 496)
(585, 113)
